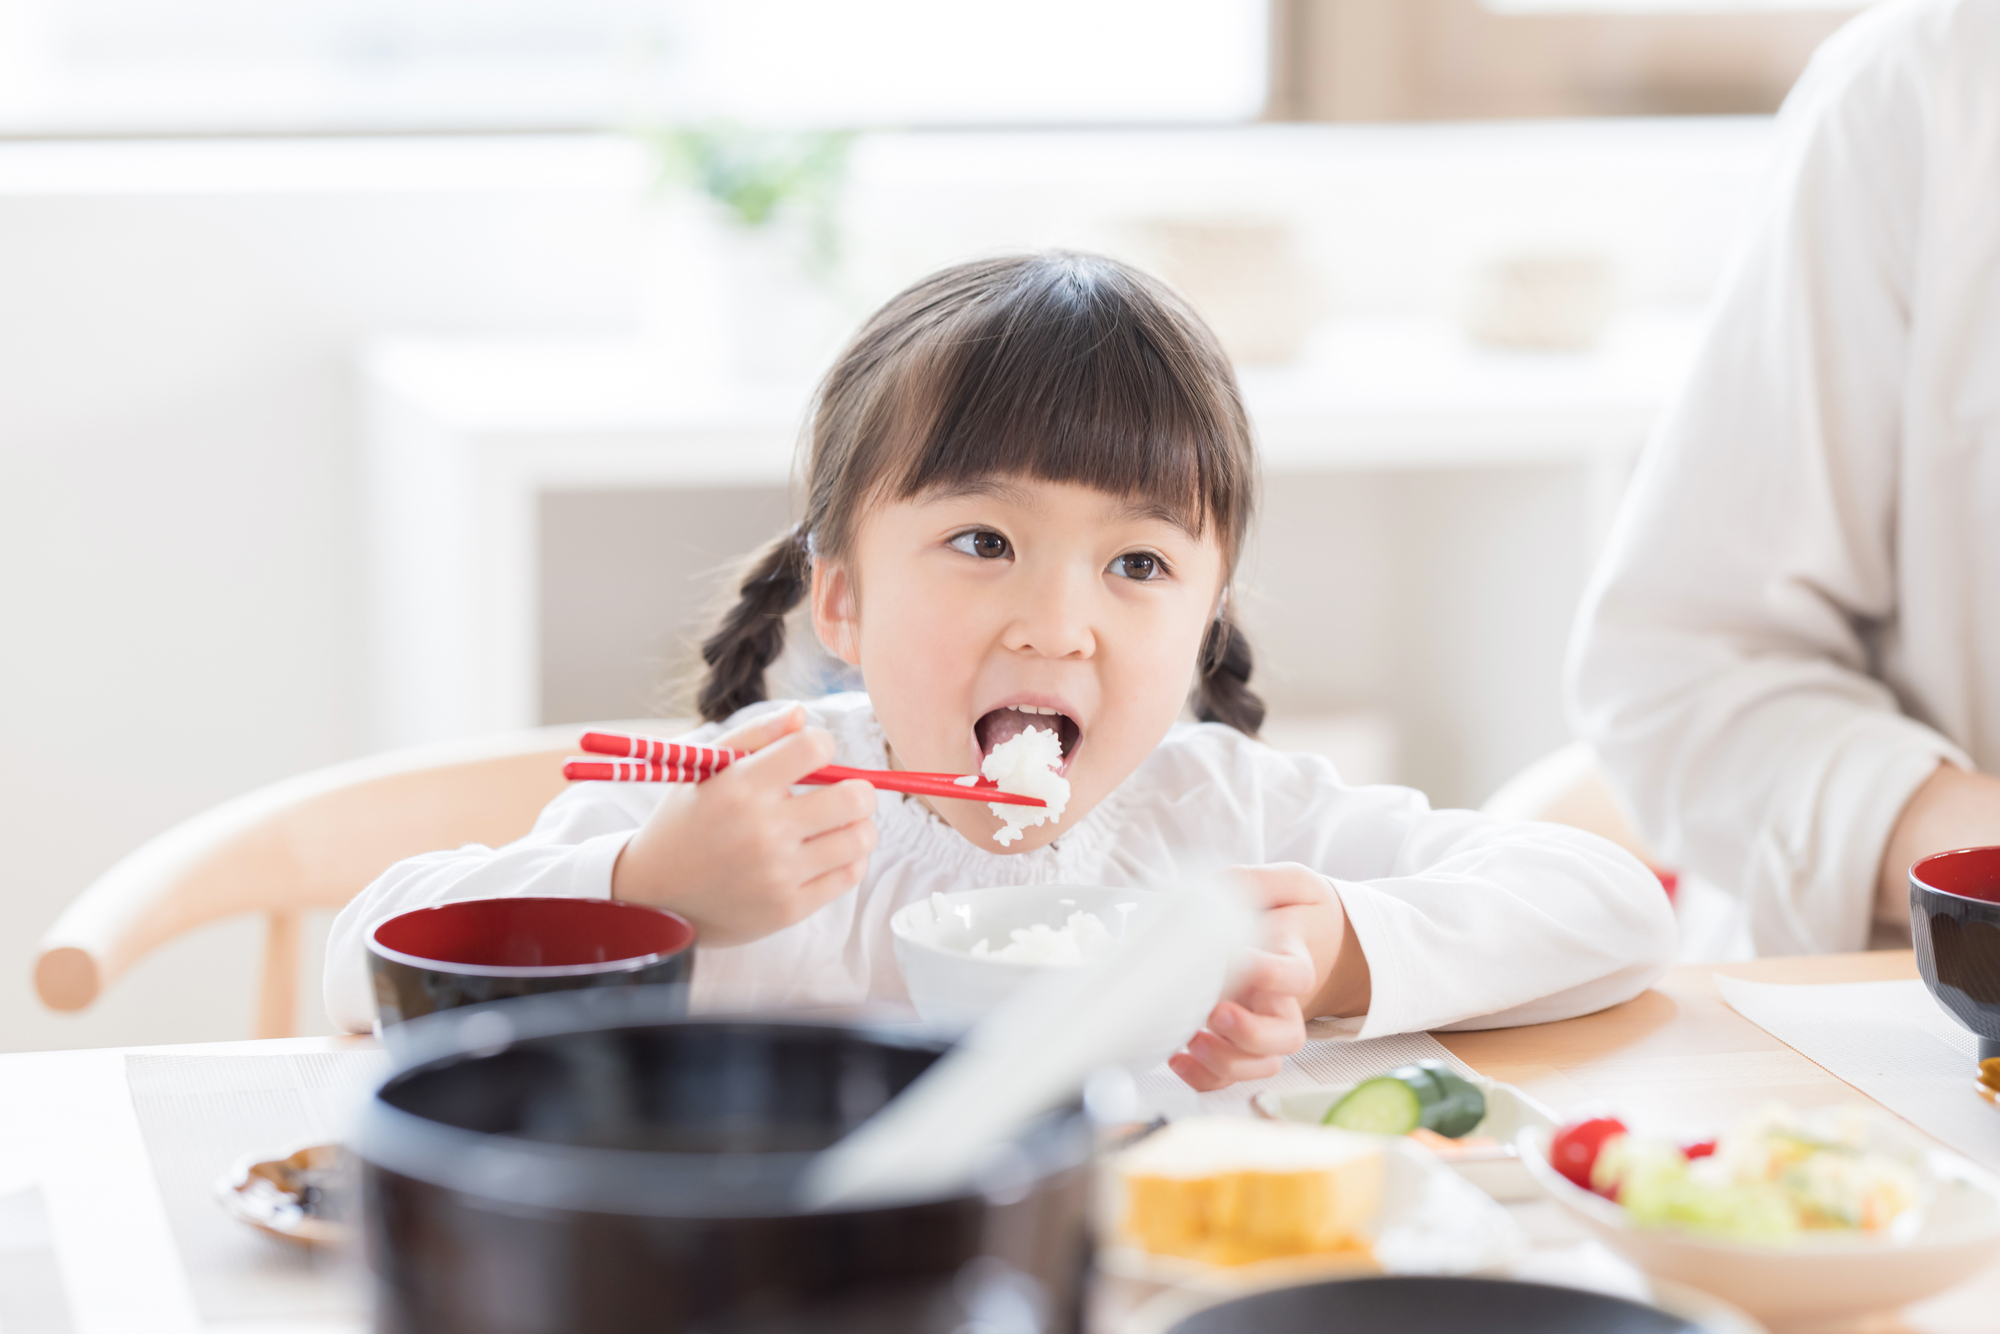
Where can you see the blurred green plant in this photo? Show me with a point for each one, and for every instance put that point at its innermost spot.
(760, 176)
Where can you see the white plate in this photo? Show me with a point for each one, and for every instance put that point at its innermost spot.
(1431, 1222)
(1496, 1170)
(265, 1195)
(1818, 1281)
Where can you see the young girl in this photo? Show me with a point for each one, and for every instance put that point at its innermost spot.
(1028, 485)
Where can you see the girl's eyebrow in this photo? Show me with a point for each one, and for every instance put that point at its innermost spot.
(1010, 492)
(1147, 509)
(997, 488)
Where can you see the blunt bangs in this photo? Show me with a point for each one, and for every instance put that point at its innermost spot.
(1077, 371)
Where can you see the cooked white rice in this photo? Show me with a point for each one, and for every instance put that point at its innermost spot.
(1026, 764)
(1082, 938)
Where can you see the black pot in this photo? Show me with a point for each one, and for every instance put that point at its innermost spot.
(1432, 1306)
(594, 1163)
(1955, 926)
(480, 950)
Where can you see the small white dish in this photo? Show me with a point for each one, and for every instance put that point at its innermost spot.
(1497, 1170)
(1823, 1282)
(953, 989)
(284, 1197)
(1431, 1222)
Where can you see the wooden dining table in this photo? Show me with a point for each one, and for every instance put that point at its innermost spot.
(1677, 1055)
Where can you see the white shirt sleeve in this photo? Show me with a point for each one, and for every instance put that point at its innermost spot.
(1723, 655)
(568, 854)
(1468, 921)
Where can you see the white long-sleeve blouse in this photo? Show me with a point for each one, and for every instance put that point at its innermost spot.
(1798, 614)
(1466, 921)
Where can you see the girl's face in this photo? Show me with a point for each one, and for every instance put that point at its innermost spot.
(1044, 595)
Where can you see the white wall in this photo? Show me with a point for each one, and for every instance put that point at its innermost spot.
(178, 529)
(177, 522)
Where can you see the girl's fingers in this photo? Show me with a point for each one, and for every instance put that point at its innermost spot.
(830, 885)
(1209, 1063)
(840, 847)
(1194, 1074)
(781, 763)
(1286, 970)
(831, 807)
(1242, 1041)
(761, 732)
(1283, 884)
(1278, 1031)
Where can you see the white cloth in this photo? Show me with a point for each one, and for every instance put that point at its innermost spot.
(1464, 920)
(1798, 615)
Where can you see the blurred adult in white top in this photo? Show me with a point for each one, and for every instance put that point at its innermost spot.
(1789, 660)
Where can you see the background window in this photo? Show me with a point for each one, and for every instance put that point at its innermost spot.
(317, 66)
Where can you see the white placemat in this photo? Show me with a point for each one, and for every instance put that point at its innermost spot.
(1891, 1041)
(202, 1114)
(1333, 1061)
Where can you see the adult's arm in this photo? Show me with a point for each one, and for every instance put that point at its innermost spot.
(1722, 661)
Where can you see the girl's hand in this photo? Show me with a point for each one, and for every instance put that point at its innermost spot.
(739, 855)
(1249, 1035)
(1310, 965)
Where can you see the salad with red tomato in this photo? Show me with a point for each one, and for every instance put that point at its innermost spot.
(1771, 1178)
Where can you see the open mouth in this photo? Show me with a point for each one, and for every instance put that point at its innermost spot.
(1004, 724)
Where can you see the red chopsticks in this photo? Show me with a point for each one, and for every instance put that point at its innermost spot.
(644, 759)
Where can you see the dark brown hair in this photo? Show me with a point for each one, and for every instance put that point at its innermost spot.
(1061, 367)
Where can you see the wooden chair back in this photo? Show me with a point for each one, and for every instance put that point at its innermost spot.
(311, 842)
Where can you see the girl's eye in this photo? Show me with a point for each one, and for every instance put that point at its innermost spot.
(1140, 566)
(983, 543)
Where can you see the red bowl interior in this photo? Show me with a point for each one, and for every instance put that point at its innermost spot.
(1971, 873)
(535, 932)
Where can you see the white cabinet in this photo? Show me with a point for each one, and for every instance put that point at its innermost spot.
(1432, 510)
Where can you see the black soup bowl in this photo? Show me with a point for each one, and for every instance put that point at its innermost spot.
(481, 950)
(1955, 926)
(595, 1162)
(1414, 1305)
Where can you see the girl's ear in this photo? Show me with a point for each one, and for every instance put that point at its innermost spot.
(836, 615)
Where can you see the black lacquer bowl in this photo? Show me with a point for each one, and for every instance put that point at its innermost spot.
(480, 950)
(591, 1162)
(1955, 925)
(1431, 1306)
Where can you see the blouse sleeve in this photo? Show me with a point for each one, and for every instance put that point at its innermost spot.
(1722, 664)
(568, 854)
(1467, 921)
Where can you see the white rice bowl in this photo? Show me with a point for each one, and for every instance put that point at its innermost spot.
(960, 954)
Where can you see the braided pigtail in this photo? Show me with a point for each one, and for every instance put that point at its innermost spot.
(1223, 694)
(752, 635)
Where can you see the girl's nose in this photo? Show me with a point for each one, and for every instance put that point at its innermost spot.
(1052, 615)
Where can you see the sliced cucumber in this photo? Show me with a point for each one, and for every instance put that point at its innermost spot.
(1428, 1094)
(1385, 1105)
(1458, 1105)
(1422, 1080)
